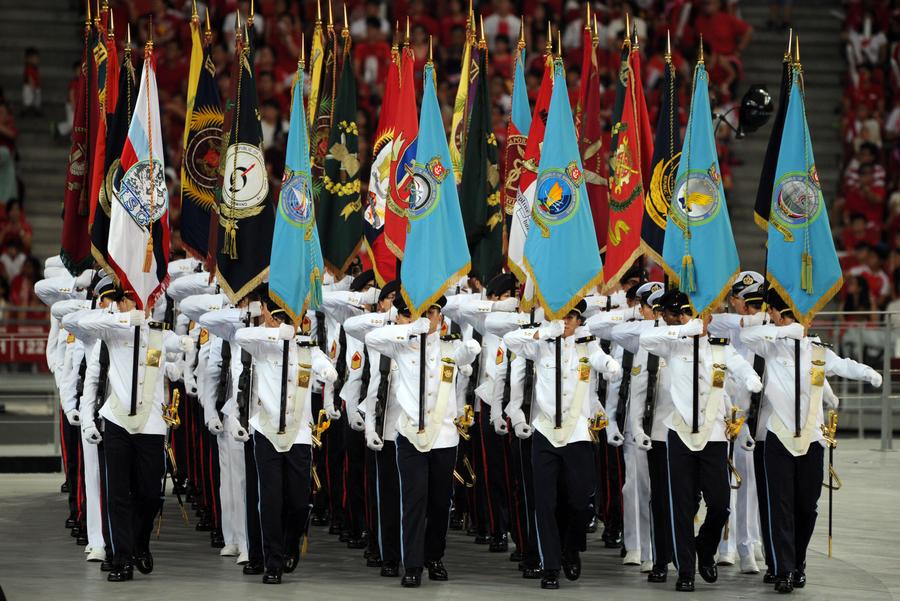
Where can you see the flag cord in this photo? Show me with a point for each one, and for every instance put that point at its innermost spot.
(229, 245)
(148, 255)
(806, 267)
(688, 277)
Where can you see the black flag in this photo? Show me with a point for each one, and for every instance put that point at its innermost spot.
(763, 205)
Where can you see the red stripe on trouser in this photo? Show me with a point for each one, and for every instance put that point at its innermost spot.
(511, 494)
(212, 485)
(80, 497)
(62, 444)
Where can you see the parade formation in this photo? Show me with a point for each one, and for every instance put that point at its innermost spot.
(460, 348)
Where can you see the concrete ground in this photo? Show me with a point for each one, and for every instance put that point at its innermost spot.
(39, 560)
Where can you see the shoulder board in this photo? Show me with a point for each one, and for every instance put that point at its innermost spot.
(527, 326)
(450, 337)
(585, 339)
(820, 343)
(718, 341)
(306, 343)
(157, 325)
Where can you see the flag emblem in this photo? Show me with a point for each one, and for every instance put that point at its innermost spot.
(427, 187)
(295, 192)
(697, 199)
(201, 159)
(142, 181)
(797, 200)
(557, 197)
(245, 172)
(662, 182)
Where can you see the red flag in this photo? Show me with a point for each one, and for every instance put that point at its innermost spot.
(590, 144)
(631, 173)
(588, 68)
(76, 242)
(402, 156)
(108, 89)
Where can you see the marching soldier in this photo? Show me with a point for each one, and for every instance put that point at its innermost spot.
(792, 419)
(426, 433)
(696, 445)
(281, 429)
(566, 359)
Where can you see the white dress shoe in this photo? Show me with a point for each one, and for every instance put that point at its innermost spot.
(726, 559)
(88, 549)
(759, 552)
(229, 551)
(632, 558)
(748, 565)
(646, 567)
(97, 555)
(243, 558)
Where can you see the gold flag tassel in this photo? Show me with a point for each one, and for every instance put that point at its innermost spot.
(688, 275)
(806, 273)
(229, 245)
(304, 546)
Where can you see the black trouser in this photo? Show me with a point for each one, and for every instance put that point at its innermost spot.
(494, 457)
(371, 481)
(104, 504)
(611, 488)
(463, 496)
(334, 471)
(426, 486)
(759, 468)
(572, 466)
(524, 529)
(794, 485)
(479, 514)
(284, 480)
(179, 439)
(254, 528)
(321, 499)
(71, 435)
(355, 481)
(388, 502)
(660, 519)
(135, 468)
(690, 474)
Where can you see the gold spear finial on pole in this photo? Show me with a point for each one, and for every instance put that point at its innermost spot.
(595, 34)
(194, 16)
(549, 48)
(208, 33)
(237, 25)
(521, 43)
(87, 20)
(797, 50)
(430, 51)
(301, 60)
(700, 58)
(481, 22)
(790, 39)
(97, 15)
(396, 43)
(587, 13)
(111, 29)
(249, 21)
(406, 43)
(128, 37)
(628, 26)
(319, 11)
(330, 17)
(559, 43)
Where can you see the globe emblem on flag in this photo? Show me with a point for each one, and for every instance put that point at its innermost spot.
(295, 201)
(143, 193)
(797, 200)
(696, 198)
(427, 188)
(557, 197)
(245, 184)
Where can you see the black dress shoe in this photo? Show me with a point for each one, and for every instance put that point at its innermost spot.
(436, 570)
(106, 566)
(482, 539)
(143, 561)
(784, 585)
(592, 525)
(531, 573)
(550, 579)
(357, 542)
(344, 536)
(515, 555)
(76, 530)
(798, 578)
(216, 539)
(253, 569)
(64, 488)
(290, 562)
(499, 544)
(82, 539)
(412, 578)
(769, 578)
(121, 574)
(456, 523)
(708, 573)
(390, 569)
(612, 539)
(685, 584)
(572, 565)
(319, 519)
(204, 525)
(70, 523)
(373, 562)
(657, 575)
(272, 577)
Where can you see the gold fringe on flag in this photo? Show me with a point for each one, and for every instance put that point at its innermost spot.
(688, 277)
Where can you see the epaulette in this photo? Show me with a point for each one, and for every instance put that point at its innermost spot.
(585, 339)
(450, 337)
(157, 325)
(719, 341)
(306, 343)
(819, 342)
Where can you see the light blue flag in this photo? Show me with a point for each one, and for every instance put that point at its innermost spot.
(521, 111)
(699, 252)
(436, 253)
(802, 264)
(561, 254)
(295, 275)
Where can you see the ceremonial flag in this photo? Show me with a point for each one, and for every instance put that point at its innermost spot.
(561, 254)
(340, 207)
(763, 205)
(202, 145)
(403, 153)
(590, 143)
(325, 111)
(588, 65)
(123, 103)
(436, 256)
(139, 221)
(516, 131)
(802, 264)
(480, 186)
(75, 248)
(295, 279)
(459, 122)
(699, 253)
(384, 263)
(664, 166)
(107, 67)
(521, 217)
(630, 161)
(246, 215)
(316, 68)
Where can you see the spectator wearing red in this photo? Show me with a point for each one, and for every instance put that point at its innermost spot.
(372, 56)
(15, 227)
(726, 34)
(172, 69)
(859, 231)
(871, 268)
(501, 23)
(8, 134)
(865, 196)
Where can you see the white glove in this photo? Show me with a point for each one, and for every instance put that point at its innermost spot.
(633, 313)
(754, 384)
(473, 347)
(332, 412)
(745, 440)
(420, 326)
(392, 314)
(215, 426)
(370, 296)
(643, 442)
(356, 421)
(464, 370)
(500, 426)
(507, 305)
(255, 309)
(73, 417)
(552, 330)
(522, 430)
(92, 434)
(613, 370)
(613, 436)
(136, 318)
(373, 441)
(84, 279)
(187, 344)
(285, 331)
(329, 375)
(794, 331)
(757, 319)
(236, 430)
(692, 328)
(874, 378)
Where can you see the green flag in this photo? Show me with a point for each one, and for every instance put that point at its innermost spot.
(339, 205)
(479, 191)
